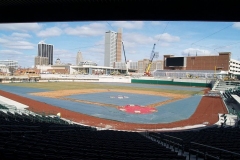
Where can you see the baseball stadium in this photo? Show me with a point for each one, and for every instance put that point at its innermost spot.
(177, 108)
(177, 114)
(171, 112)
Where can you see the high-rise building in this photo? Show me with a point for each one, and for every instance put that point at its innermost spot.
(41, 61)
(46, 50)
(113, 48)
(79, 58)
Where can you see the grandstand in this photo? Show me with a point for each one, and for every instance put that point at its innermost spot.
(32, 136)
(230, 93)
(209, 143)
(186, 73)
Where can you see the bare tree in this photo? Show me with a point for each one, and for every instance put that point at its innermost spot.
(12, 70)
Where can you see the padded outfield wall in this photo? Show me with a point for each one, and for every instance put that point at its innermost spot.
(172, 82)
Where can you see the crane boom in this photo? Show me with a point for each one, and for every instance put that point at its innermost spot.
(125, 59)
(147, 71)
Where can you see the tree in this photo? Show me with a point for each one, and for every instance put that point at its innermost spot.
(12, 70)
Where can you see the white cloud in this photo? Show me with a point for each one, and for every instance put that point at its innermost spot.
(194, 51)
(93, 29)
(134, 39)
(50, 32)
(21, 35)
(167, 37)
(156, 23)
(16, 44)
(164, 44)
(42, 41)
(95, 50)
(2, 40)
(128, 25)
(138, 38)
(65, 56)
(10, 52)
(20, 45)
(24, 27)
(236, 25)
(61, 52)
(62, 25)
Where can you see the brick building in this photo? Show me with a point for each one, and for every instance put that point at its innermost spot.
(221, 62)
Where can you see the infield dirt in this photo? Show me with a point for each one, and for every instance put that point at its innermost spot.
(61, 94)
(207, 111)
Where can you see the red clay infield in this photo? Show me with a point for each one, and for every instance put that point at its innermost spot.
(207, 111)
(136, 109)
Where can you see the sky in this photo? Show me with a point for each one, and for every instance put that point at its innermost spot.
(18, 41)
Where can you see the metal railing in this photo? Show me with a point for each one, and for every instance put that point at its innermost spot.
(174, 142)
(205, 154)
(170, 141)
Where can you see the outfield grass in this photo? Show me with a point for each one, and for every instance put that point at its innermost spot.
(84, 85)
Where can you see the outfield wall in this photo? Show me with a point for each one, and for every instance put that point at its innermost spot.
(172, 82)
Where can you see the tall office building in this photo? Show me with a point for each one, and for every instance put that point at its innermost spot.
(46, 50)
(79, 58)
(113, 48)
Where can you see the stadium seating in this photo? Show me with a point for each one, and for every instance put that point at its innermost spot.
(215, 141)
(27, 136)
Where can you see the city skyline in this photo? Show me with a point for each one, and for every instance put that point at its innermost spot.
(19, 41)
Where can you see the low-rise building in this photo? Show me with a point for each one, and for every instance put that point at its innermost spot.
(3, 69)
(41, 61)
(156, 65)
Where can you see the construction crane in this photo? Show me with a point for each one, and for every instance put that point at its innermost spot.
(147, 70)
(127, 73)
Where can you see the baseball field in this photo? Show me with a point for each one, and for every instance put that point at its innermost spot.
(97, 104)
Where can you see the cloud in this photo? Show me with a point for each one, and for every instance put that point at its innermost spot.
(61, 52)
(156, 23)
(20, 45)
(62, 25)
(65, 56)
(2, 41)
(16, 44)
(24, 27)
(164, 44)
(21, 35)
(50, 32)
(135, 39)
(10, 52)
(136, 43)
(138, 38)
(193, 51)
(128, 25)
(42, 41)
(93, 29)
(95, 50)
(167, 37)
(236, 25)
